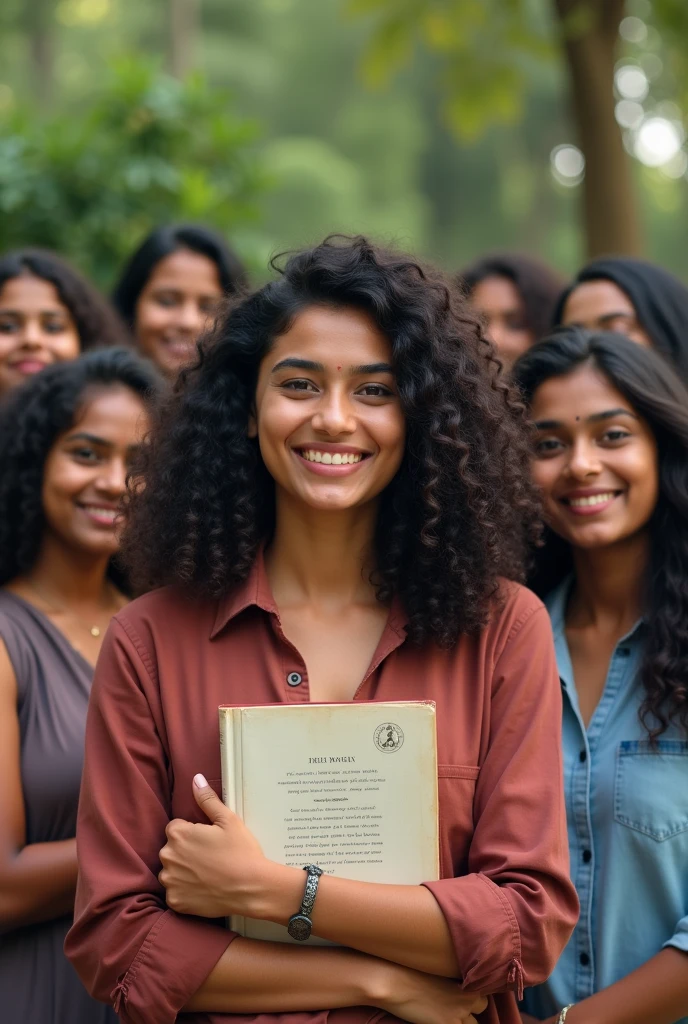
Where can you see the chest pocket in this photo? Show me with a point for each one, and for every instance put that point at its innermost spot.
(456, 790)
(651, 787)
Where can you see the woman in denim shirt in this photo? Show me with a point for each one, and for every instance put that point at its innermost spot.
(611, 459)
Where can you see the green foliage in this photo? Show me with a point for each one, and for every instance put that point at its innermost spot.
(148, 150)
(486, 49)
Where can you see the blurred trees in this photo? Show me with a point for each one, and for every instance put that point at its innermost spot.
(147, 150)
(486, 49)
(448, 157)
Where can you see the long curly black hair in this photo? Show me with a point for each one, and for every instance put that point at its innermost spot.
(96, 322)
(32, 417)
(461, 511)
(657, 394)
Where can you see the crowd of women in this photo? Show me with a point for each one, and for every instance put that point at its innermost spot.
(360, 481)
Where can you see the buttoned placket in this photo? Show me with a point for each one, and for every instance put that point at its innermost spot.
(583, 872)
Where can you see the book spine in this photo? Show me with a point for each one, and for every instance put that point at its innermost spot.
(232, 780)
(237, 923)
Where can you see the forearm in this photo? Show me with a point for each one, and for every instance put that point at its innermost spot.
(655, 993)
(401, 923)
(38, 884)
(274, 977)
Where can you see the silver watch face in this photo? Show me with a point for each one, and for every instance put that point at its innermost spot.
(299, 927)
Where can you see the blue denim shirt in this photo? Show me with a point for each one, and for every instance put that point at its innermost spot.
(627, 811)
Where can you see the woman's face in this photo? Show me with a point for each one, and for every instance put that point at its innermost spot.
(36, 329)
(595, 460)
(499, 303)
(85, 472)
(176, 305)
(327, 413)
(602, 306)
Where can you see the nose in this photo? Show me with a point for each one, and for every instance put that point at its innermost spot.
(191, 317)
(112, 479)
(334, 414)
(583, 461)
(31, 335)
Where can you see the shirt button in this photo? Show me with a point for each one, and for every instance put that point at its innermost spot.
(587, 856)
(584, 959)
(294, 678)
(582, 756)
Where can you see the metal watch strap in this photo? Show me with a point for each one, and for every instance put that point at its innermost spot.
(311, 890)
(564, 1014)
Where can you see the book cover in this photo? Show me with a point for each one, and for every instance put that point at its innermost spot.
(349, 787)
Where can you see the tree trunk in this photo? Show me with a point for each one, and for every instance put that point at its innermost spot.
(590, 32)
(40, 28)
(183, 31)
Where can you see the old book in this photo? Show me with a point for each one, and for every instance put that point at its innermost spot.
(349, 787)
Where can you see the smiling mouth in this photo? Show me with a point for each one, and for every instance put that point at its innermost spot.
(331, 458)
(101, 514)
(590, 500)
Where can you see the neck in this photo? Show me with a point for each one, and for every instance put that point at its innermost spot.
(71, 577)
(322, 558)
(608, 590)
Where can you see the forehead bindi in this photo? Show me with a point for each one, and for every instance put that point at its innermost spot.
(337, 339)
(575, 397)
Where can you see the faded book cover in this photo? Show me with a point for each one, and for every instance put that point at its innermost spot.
(349, 787)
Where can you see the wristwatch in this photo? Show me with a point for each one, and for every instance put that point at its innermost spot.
(300, 924)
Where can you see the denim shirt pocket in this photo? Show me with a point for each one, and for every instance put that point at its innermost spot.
(651, 787)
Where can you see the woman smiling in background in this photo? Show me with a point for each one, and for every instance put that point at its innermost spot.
(611, 460)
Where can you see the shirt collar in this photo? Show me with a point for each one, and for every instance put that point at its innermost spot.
(255, 591)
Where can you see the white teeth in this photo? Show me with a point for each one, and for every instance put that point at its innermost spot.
(106, 513)
(593, 499)
(331, 459)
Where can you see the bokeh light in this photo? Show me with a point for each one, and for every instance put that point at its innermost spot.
(567, 164)
(631, 82)
(658, 141)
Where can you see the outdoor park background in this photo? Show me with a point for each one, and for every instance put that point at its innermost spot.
(451, 127)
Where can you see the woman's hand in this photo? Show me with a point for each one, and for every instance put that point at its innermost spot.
(211, 870)
(426, 998)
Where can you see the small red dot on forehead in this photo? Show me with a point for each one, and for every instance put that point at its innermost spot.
(339, 367)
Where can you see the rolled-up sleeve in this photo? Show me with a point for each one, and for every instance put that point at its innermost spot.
(128, 948)
(512, 914)
(679, 940)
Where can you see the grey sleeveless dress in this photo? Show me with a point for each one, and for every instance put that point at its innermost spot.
(38, 985)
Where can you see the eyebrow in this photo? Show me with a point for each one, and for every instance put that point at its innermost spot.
(99, 441)
(307, 364)
(597, 417)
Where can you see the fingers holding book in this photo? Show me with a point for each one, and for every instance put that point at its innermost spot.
(210, 870)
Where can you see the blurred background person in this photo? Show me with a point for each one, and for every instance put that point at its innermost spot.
(66, 441)
(171, 288)
(611, 461)
(49, 313)
(516, 296)
(636, 298)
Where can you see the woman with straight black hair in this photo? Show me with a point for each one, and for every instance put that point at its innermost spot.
(636, 298)
(610, 457)
(67, 440)
(516, 295)
(171, 288)
(49, 313)
(336, 506)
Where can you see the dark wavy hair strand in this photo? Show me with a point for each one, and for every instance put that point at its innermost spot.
(655, 392)
(461, 511)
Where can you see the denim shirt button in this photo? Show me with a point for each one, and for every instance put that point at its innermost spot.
(584, 959)
(587, 856)
(582, 756)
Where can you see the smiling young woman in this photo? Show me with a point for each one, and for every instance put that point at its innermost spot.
(67, 438)
(336, 505)
(48, 314)
(611, 461)
(171, 288)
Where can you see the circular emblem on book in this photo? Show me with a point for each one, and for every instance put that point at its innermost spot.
(388, 737)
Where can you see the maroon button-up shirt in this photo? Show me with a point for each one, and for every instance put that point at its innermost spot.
(167, 663)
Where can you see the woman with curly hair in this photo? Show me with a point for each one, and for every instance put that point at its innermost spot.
(336, 507)
(66, 440)
(171, 288)
(49, 313)
(611, 460)
(516, 295)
